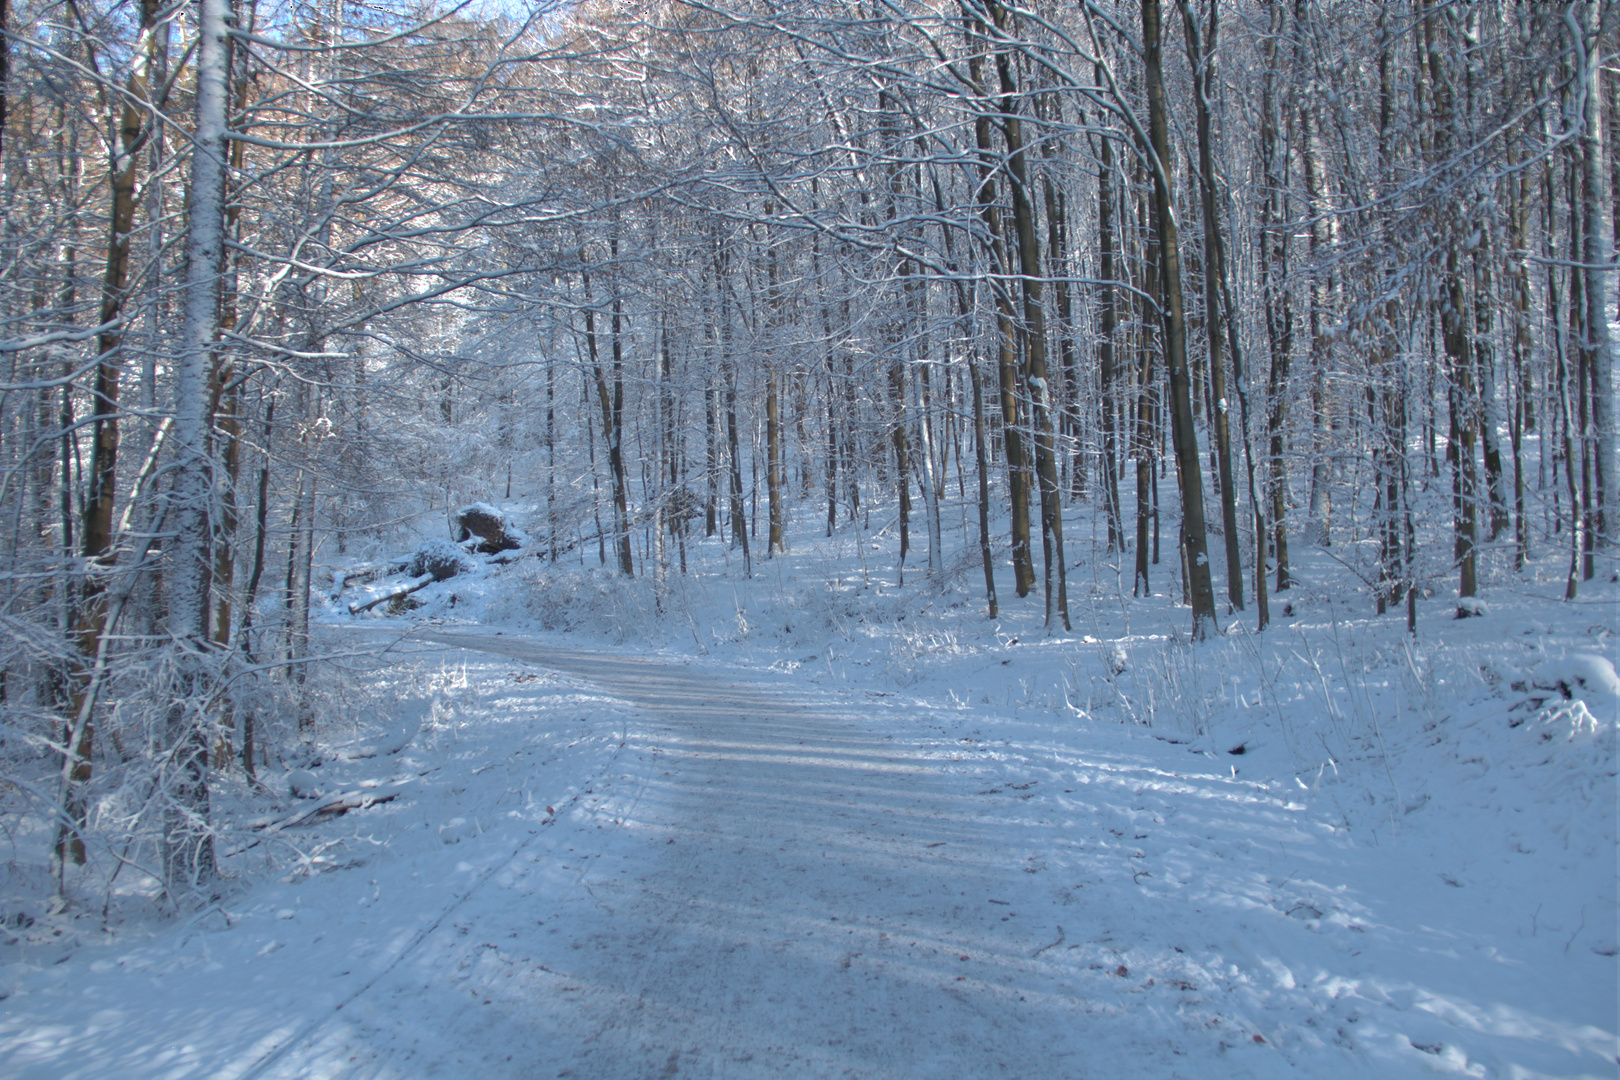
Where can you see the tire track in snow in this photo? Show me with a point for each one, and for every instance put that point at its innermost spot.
(793, 895)
(303, 1035)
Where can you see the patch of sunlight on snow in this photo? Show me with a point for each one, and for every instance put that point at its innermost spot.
(1507, 1021)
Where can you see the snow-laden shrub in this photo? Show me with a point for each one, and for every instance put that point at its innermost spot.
(577, 599)
(440, 558)
(1582, 676)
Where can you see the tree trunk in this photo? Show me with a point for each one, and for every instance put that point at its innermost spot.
(1275, 295)
(1462, 432)
(773, 466)
(852, 479)
(188, 848)
(96, 534)
(1057, 229)
(1107, 374)
(1596, 342)
(981, 449)
(1193, 541)
(1489, 409)
(255, 575)
(5, 71)
(552, 546)
(300, 561)
(1584, 376)
(610, 399)
(1318, 517)
(711, 431)
(1007, 366)
(1522, 415)
(739, 515)
(829, 471)
(981, 460)
(931, 481)
(922, 404)
(1561, 378)
(1390, 449)
(1036, 377)
(1202, 58)
(1143, 429)
(226, 404)
(902, 455)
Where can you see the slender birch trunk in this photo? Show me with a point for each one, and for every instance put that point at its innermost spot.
(1595, 261)
(188, 847)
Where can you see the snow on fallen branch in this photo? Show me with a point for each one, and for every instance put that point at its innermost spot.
(373, 597)
(330, 807)
(343, 577)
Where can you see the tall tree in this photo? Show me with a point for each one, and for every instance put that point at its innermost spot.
(1036, 376)
(1275, 229)
(1202, 55)
(96, 532)
(1185, 439)
(188, 847)
(1597, 347)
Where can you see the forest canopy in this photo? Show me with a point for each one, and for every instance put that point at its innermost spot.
(279, 281)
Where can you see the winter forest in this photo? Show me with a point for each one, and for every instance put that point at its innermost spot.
(1215, 396)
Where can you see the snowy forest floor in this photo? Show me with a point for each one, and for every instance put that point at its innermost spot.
(805, 824)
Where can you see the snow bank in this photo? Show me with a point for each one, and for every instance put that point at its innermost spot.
(1581, 676)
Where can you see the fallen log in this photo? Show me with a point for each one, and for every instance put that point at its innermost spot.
(355, 575)
(358, 605)
(338, 805)
(330, 807)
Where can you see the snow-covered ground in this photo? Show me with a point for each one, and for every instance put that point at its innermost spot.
(816, 824)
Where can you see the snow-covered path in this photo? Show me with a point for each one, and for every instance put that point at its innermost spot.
(788, 895)
(609, 867)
